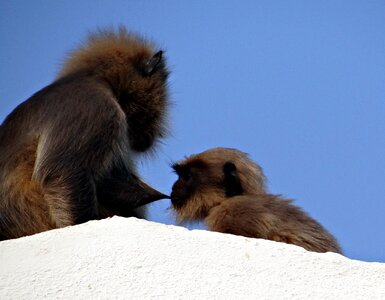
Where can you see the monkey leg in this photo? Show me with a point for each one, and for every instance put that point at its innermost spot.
(71, 198)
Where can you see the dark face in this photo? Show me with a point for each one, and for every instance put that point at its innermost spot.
(145, 102)
(145, 128)
(195, 177)
(185, 186)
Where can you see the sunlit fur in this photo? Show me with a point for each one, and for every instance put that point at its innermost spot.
(252, 212)
(67, 152)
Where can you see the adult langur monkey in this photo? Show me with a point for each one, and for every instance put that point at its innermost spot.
(227, 190)
(66, 153)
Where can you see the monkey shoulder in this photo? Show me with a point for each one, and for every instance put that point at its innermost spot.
(77, 106)
(80, 93)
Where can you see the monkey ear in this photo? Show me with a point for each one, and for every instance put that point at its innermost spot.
(232, 182)
(153, 63)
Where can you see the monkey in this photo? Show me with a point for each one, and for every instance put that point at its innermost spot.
(226, 189)
(67, 153)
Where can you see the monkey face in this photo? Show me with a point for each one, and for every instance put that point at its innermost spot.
(146, 104)
(197, 189)
(185, 186)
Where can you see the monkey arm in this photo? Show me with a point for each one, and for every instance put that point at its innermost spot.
(76, 147)
(122, 191)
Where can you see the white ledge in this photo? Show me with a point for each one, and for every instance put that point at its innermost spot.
(136, 259)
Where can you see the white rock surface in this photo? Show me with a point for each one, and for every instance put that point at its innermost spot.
(122, 258)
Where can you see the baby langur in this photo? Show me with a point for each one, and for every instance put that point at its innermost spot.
(227, 190)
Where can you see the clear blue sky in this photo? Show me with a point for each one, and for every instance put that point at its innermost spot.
(299, 85)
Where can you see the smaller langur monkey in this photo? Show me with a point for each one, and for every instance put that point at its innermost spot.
(227, 190)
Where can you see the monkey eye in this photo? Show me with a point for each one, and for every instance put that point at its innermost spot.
(176, 168)
(182, 171)
(186, 175)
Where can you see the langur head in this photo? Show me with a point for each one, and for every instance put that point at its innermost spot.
(134, 69)
(207, 179)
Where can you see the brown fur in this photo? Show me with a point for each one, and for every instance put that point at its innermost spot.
(66, 153)
(18, 185)
(201, 193)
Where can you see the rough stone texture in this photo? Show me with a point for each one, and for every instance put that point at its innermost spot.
(135, 259)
